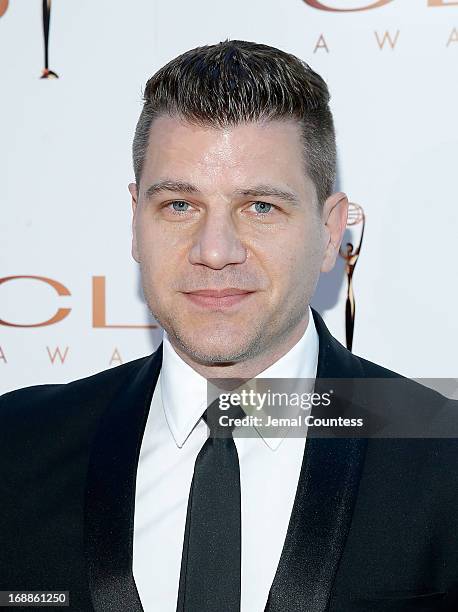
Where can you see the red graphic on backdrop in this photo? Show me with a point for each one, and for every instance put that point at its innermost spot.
(3, 6)
(324, 7)
(320, 4)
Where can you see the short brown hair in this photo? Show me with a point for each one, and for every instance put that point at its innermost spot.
(237, 81)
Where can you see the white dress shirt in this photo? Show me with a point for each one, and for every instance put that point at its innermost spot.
(269, 472)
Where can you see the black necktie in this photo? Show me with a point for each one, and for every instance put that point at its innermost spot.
(211, 559)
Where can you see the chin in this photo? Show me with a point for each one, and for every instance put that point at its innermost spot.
(213, 349)
(224, 344)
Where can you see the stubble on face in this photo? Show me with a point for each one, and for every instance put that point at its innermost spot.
(221, 243)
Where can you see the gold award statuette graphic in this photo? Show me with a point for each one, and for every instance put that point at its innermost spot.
(46, 10)
(350, 254)
(47, 73)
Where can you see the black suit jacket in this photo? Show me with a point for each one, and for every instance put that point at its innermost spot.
(374, 524)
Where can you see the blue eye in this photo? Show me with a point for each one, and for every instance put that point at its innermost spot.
(264, 207)
(180, 204)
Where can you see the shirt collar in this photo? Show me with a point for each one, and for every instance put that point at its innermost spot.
(184, 391)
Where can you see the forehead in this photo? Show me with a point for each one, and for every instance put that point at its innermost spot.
(269, 150)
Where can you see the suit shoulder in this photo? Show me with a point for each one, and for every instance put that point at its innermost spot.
(41, 399)
(375, 370)
(432, 414)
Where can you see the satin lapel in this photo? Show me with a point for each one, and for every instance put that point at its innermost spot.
(110, 492)
(324, 502)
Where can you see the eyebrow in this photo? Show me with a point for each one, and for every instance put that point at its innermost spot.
(255, 191)
(170, 185)
(269, 191)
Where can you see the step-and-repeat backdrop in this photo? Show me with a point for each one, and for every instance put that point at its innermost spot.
(71, 78)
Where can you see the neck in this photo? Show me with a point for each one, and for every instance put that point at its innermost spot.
(251, 367)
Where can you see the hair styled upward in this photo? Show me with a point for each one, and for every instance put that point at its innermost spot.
(236, 81)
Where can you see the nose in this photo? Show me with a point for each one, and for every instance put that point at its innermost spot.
(217, 242)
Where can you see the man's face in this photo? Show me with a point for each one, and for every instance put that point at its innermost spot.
(227, 208)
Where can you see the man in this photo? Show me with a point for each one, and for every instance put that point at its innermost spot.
(112, 488)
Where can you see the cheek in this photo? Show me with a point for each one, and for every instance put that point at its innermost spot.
(295, 262)
(158, 248)
(162, 259)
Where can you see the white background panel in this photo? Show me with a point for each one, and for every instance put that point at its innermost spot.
(65, 162)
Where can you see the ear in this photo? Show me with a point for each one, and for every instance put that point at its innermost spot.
(334, 215)
(134, 193)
